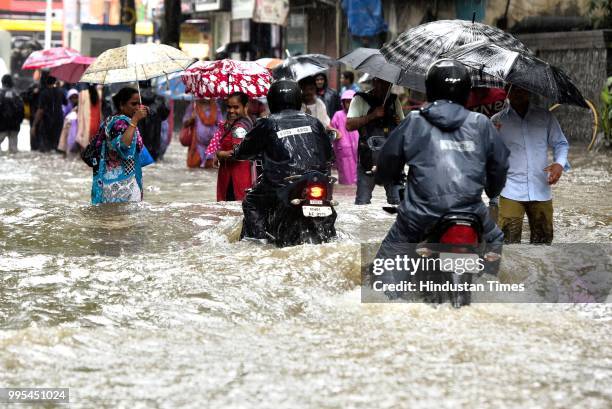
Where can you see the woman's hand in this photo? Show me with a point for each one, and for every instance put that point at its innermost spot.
(189, 122)
(140, 113)
(224, 154)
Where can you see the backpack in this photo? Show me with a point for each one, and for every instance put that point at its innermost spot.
(11, 110)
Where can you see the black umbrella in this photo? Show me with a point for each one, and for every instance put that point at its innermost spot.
(302, 66)
(416, 49)
(371, 61)
(523, 70)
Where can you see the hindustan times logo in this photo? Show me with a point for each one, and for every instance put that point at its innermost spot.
(411, 265)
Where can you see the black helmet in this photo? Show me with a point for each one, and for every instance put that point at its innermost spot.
(448, 79)
(284, 94)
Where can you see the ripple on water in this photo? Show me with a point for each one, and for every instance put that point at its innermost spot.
(159, 305)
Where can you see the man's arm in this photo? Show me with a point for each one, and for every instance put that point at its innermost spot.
(497, 162)
(357, 115)
(560, 146)
(558, 142)
(353, 124)
(323, 109)
(253, 143)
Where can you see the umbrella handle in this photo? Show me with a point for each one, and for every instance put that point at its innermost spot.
(387, 96)
(138, 85)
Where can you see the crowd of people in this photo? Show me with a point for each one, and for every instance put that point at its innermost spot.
(208, 125)
(64, 118)
(138, 123)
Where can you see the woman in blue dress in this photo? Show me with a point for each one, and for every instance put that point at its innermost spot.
(119, 175)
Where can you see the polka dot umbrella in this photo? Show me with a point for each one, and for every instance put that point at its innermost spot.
(219, 79)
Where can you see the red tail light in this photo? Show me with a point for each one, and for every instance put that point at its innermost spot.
(315, 192)
(459, 234)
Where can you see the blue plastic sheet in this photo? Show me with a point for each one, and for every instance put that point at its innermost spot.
(172, 87)
(365, 17)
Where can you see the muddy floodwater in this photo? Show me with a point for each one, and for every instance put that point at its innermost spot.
(158, 305)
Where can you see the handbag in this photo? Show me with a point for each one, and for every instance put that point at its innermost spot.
(186, 136)
(145, 157)
(91, 153)
(193, 155)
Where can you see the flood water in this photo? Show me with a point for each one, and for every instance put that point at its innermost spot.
(158, 305)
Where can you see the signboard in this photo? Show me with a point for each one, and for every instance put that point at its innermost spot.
(209, 5)
(271, 12)
(242, 9)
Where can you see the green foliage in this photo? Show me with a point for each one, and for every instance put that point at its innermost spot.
(600, 12)
(606, 111)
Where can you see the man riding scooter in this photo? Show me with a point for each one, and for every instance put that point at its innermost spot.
(292, 143)
(452, 153)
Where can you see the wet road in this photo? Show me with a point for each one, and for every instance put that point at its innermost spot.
(159, 305)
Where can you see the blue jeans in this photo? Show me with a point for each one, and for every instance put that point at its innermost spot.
(365, 186)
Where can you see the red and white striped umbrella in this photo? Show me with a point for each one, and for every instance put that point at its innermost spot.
(219, 79)
(49, 58)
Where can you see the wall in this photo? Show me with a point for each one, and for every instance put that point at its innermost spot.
(520, 9)
(402, 14)
(322, 36)
(586, 56)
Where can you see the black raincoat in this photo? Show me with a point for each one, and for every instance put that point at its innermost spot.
(291, 143)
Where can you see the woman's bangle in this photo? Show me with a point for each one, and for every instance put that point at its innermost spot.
(132, 125)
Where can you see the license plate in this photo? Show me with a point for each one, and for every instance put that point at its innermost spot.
(460, 263)
(316, 211)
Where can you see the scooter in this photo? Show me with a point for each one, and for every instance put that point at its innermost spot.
(453, 240)
(305, 211)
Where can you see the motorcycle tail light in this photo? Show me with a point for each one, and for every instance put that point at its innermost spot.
(459, 234)
(315, 192)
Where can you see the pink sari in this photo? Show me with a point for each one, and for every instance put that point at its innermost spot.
(345, 149)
